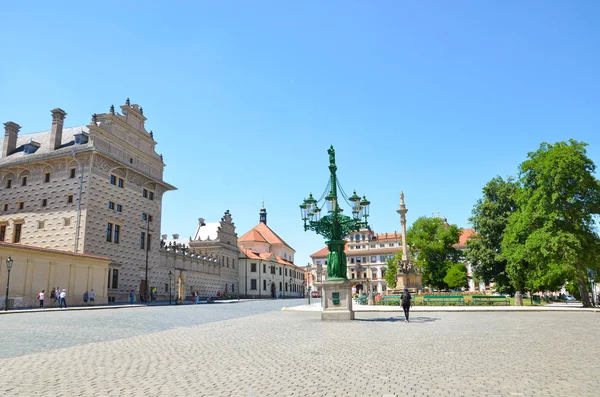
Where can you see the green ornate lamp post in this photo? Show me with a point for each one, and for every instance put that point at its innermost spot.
(334, 226)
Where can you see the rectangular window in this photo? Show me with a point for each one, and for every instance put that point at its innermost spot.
(21, 205)
(2, 232)
(280, 273)
(17, 233)
(121, 183)
(67, 221)
(72, 173)
(109, 230)
(9, 183)
(264, 268)
(373, 259)
(117, 231)
(264, 285)
(46, 177)
(5, 207)
(111, 205)
(44, 202)
(253, 268)
(145, 193)
(166, 287)
(70, 198)
(233, 263)
(149, 239)
(253, 284)
(41, 224)
(272, 269)
(115, 278)
(151, 195)
(286, 271)
(149, 218)
(119, 208)
(144, 216)
(143, 240)
(280, 286)
(381, 258)
(24, 181)
(108, 282)
(113, 180)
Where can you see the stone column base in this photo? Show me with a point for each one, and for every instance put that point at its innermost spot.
(337, 300)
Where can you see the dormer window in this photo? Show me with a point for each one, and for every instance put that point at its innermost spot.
(31, 147)
(81, 138)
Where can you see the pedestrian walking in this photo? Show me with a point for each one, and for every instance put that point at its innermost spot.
(406, 302)
(63, 298)
(86, 296)
(131, 296)
(41, 298)
(92, 296)
(53, 295)
(196, 298)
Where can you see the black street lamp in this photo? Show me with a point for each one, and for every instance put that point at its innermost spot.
(9, 263)
(170, 286)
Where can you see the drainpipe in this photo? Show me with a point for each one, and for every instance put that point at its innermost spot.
(78, 207)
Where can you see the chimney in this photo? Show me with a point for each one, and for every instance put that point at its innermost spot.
(11, 132)
(58, 118)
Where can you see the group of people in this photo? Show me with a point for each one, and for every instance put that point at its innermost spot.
(60, 296)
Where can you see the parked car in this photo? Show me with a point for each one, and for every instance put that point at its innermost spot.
(569, 298)
(315, 294)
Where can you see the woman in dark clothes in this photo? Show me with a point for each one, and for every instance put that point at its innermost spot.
(406, 300)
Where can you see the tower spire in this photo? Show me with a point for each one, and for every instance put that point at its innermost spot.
(263, 213)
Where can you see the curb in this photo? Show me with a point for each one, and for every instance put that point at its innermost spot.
(457, 310)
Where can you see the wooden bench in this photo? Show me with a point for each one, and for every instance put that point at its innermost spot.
(394, 299)
(490, 300)
(443, 299)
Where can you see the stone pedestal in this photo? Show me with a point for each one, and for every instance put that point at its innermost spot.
(412, 281)
(337, 300)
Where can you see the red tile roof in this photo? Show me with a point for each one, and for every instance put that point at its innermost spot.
(266, 235)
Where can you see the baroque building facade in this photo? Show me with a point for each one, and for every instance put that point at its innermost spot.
(267, 268)
(95, 189)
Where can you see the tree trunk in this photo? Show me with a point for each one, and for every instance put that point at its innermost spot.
(518, 298)
(585, 298)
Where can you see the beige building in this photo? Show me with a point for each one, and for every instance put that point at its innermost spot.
(367, 254)
(267, 264)
(35, 269)
(206, 263)
(95, 189)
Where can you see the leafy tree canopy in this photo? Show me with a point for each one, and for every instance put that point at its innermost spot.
(392, 269)
(551, 238)
(489, 218)
(456, 277)
(431, 243)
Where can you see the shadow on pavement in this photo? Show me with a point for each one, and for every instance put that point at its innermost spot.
(420, 320)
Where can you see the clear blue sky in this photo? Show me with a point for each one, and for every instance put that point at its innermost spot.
(245, 97)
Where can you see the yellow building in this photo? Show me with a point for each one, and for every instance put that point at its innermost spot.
(35, 269)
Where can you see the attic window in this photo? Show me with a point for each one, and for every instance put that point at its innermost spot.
(81, 138)
(31, 147)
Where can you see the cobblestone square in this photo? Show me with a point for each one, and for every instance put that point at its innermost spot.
(254, 349)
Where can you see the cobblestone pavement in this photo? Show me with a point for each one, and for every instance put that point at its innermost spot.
(280, 353)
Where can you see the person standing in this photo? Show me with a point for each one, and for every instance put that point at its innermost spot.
(53, 296)
(131, 296)
(92, 296)
(41, 298)
(406, 302)
(63, 298)
(85, 297)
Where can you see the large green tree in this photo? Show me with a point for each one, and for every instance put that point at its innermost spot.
(551, 238)
(431, 243)
(489, 219)
(392, 269)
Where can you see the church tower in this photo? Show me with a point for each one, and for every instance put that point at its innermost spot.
(263, 214)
